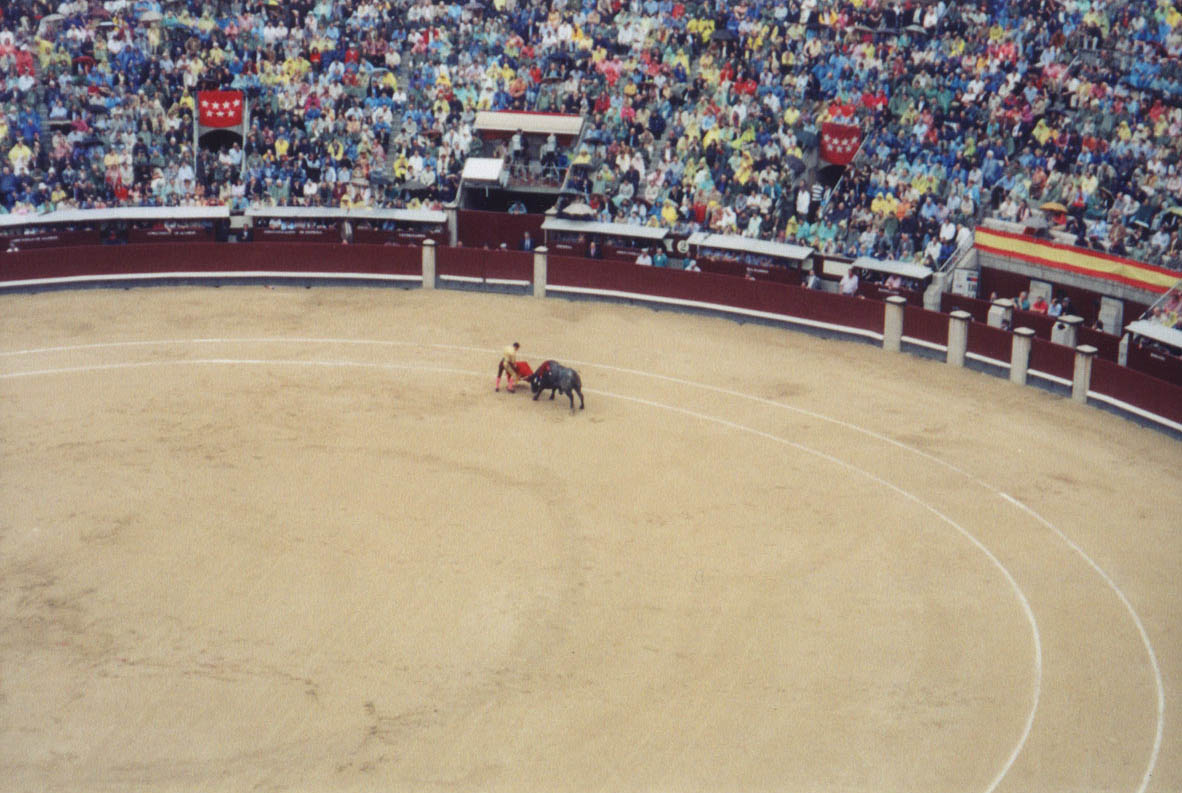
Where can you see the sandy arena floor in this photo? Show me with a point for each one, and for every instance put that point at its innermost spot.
(288, 539)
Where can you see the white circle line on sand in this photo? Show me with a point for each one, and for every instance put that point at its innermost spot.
(1020, 595)
(1161, 697)
(1027, 610)
(1136, 618)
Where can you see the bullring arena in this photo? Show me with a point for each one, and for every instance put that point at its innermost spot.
(291, 539)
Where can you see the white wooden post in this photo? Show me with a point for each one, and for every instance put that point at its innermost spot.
(1001, 313)
(1066, 330)
(428, 264)
(540, 266)
(892, 324)
(1082, 379)
(958, 337)
(1020, 355)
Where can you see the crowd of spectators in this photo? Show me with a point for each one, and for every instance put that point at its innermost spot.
(1004, 108)
(702, 114)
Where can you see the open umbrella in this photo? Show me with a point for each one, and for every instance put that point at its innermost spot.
(48, 22)
(1053, 206)
(724, 34)
(578, 209)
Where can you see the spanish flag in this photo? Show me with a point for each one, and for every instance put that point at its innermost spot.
(1081, 261)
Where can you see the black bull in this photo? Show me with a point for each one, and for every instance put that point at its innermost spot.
(557, 377)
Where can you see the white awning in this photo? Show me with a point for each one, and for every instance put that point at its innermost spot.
(483, 169)
(1000, 224)
(905, 269)
(734, 242)
(121, 213)
(336, 213)
(605, 229)
(295, 212)
(403, 215)
(1156, 331)
(530, 123)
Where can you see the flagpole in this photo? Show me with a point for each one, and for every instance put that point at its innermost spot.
(196, 126)
(245, 126)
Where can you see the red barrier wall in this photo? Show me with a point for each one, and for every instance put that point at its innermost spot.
(609, 274)
(1052, 358)
(136, 236)
(1041, 324)
(1107, 345)
(725, 290)
(978, 308)
(52, 238)
(930, 326)
(478, 229)
(722, 267)
(990, 341)
(1155, 363)
(379, 237)
(841, 310)
(878, 291)
(1136, 388)
(777, 273)
(327, 235)
(202, 257)
(484, 264)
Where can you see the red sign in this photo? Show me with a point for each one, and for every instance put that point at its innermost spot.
(839, 142)
(219, 108)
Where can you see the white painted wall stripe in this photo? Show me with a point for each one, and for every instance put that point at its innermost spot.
(1145, 414)
(473, 279)
(207, 275)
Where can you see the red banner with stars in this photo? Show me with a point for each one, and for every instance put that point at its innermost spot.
(219, 108)
(839, 142)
